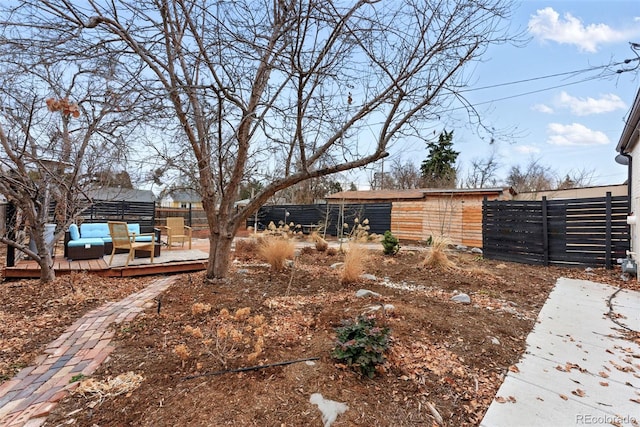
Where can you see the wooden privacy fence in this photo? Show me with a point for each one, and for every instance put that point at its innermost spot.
(591, 231)
(193, 217)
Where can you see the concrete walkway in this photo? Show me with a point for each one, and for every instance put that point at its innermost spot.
(27, 399)
(576, 369)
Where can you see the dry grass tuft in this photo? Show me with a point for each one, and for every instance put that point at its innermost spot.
(111, 387)
(276, 251)
(354, 263)
(437, 255)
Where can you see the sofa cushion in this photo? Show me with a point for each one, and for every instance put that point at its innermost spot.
(98, 229)
(85, 242)
(74, 233)
(134, 228)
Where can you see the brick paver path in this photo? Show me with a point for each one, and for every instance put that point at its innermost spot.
(27, 399)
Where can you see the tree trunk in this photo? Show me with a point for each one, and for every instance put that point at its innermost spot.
(219, 254)
(44, 257)
(47, 273)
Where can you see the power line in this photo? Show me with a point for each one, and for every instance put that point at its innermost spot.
(549, 76)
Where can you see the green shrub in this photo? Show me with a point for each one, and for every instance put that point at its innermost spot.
(390, 243)
(361, 344)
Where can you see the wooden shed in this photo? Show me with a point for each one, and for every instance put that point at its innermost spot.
(428, 212)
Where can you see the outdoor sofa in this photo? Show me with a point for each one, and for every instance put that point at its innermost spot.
(92, 240)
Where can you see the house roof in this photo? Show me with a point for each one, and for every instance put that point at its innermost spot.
(418, 193)
(629, 136)
(189, 196)
(126, 194)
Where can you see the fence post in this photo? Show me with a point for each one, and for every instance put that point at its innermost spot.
(607, 239)
(545, 232)
(10, 223)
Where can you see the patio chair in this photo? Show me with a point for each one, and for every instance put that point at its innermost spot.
(177, 231)
(122, 239)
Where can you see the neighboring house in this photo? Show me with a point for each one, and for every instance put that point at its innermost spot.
(629, 149)
(574, 193)
(183, 199)
(422, 213)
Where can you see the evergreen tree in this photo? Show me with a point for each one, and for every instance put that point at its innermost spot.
(438, 170)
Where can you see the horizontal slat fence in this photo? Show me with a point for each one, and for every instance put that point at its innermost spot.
(330, 216)
(590, 231)
(142, 213)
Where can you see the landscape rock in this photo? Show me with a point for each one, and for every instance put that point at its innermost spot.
(361, 293)
(476, 251)
(242, 271)
(462, 298)
(387, 307)
(330, 408)
(368, 277)
(336, 265)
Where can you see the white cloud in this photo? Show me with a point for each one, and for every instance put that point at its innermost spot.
(574, 134)
(541, 108)
(586, 106)
(527, 149)
(546, 24)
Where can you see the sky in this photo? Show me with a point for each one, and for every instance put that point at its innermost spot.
(543, 111)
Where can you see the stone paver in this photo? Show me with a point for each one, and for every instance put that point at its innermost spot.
(27, 399)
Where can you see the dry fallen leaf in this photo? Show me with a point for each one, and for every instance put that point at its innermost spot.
(603, 374)
(604, 384)
(578, 392)
(563, 397)
(501, 399)
(514, 369)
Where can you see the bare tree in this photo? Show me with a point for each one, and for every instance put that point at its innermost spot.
(289, 89)
(57, 127)
(400, 176)
(534, 177)
(483, 172)
(575, 179)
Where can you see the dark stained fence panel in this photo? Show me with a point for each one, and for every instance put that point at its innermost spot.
(332, 217)
(589, 231)
(142, 213)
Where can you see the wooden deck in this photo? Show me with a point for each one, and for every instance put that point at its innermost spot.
(30, 269)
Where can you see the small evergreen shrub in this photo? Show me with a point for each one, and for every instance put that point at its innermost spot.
(390, 243)
(361, 344)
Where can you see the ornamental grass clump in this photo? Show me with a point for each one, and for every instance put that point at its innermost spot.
(361, 344)
(354, 263)
(437, 255)
(276, 252)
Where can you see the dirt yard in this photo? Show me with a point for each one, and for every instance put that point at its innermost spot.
(446, 359)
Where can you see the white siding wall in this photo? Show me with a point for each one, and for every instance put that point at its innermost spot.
(635, 198)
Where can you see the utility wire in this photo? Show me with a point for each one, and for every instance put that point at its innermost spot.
(549, 76)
